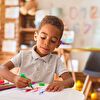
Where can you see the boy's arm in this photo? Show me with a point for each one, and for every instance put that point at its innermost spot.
(67, 80)
(5, 71)
(60, 85)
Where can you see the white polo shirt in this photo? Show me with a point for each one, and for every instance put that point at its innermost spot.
(39, 69)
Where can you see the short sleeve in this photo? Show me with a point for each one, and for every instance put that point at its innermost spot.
(16, 60)
(61, 68)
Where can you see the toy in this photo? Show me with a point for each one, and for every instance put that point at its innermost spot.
(28, 8)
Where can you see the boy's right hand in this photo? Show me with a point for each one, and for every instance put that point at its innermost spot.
(21, 82)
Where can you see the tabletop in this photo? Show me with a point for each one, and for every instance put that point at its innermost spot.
(21, 94)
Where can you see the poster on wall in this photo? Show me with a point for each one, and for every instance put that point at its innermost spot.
(80, 17)
(9, 30)
(11, 2)
(12, 12)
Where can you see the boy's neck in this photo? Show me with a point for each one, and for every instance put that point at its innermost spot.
(37, 51)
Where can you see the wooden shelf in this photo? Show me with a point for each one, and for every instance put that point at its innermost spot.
(4, 53)
(79, 49)
(26, 26)
(4, 56)
(86, 49)
(11, 19)
(28, 29)
(11, 6)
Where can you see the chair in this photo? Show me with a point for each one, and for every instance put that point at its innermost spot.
(92, 69)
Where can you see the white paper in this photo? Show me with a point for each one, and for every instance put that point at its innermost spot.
(12, 12)
(11, 2)
(18, 94)
(9, 46)
(9, 30)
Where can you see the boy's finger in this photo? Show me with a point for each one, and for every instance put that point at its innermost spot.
(23, 80)
(60, 89)
(50, 88)
(21, 84)
(55, 89)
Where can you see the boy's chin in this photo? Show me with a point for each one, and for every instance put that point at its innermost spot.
(44, 53)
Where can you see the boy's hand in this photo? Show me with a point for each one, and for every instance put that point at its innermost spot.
(55, 86)
(21, 82)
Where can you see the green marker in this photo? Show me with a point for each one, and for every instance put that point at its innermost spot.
(23, 75)
(41, 84)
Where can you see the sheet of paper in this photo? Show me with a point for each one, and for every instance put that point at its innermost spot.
(19, 94)
(12, 12)
(9, 30)
(9, 46)
(11, 2)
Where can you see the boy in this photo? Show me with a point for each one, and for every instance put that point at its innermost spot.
(39, 64)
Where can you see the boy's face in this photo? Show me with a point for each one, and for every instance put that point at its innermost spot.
(48, 38)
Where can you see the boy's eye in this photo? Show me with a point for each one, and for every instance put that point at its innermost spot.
(43, 36)
(53, 40)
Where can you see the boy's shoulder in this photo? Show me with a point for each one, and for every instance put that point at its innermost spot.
(26, 52)
(55, 55)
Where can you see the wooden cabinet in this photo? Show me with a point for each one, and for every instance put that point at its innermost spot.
(16, 29)
(27, 26)
(26, 30)
(9, 15)
(1, 22)
(9, 29)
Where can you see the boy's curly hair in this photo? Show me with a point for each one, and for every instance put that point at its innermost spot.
(53, 20)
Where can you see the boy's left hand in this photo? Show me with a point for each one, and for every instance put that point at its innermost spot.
(55, 86)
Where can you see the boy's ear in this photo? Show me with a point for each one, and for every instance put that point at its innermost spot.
(58, 44)
(35, 36)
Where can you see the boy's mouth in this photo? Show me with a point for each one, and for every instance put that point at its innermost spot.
(46, 49)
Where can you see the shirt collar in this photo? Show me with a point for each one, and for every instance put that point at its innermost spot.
(36, 56)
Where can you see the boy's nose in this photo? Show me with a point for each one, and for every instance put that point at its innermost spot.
(47, 43)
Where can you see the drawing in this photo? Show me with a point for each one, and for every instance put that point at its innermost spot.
(73, 13)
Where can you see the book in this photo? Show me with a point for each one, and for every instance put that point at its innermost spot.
(6, 86)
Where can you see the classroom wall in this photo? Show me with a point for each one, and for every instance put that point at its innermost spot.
(81, 16)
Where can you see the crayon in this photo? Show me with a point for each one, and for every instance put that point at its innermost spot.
(23, 75)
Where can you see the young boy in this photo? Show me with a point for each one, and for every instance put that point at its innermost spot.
(39, 64)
